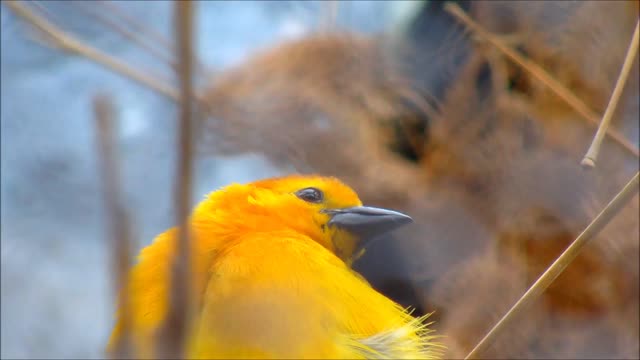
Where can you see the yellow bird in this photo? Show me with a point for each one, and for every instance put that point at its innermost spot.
(272, 278)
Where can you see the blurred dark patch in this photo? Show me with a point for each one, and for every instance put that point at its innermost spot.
(440, 45)
(384, 267)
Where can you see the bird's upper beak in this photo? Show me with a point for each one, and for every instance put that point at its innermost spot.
(367, 222)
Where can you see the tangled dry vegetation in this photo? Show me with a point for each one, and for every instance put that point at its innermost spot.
(490, 168)
(437, 122)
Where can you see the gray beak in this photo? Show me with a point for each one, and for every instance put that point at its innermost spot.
(367, 222)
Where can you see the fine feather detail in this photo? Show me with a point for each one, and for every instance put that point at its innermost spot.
(410, 341)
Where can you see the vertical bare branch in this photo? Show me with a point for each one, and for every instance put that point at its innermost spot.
(558, 266)
(539, 73)
(173, 335)
(592, 154)
(119, 226)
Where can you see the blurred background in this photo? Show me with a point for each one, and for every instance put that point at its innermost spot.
(399, 99)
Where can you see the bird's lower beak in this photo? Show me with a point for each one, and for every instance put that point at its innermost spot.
(367, 222)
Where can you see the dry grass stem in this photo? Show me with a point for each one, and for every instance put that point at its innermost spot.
(154, 37)
(590, 157)
(148, 33)
(173, 334)
(119, 226)
(72, 45)
(558, 266)
(138, 36)
(538, 72)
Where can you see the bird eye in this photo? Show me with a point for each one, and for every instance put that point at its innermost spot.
(312, 195)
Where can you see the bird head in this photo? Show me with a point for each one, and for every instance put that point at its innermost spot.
(322, 208)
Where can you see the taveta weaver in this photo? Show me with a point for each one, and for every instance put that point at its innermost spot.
(272, 278)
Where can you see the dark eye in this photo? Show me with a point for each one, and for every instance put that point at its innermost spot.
(312, 195)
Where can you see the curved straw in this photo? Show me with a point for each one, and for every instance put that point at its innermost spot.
(592, 154)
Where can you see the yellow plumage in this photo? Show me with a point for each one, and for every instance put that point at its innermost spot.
(271, 279)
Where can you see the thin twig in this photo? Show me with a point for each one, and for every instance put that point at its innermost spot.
(130, 21)
(47, 13)
(592, 154)
(148, 32)
(72, 45)
(119, 227)
(558, 266)
(538, 72)
(172, 343)
(137, 37)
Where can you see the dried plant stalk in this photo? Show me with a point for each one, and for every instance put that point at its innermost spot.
(70, 44)
(592, 154)
(536, 71)
(119, 226)
(558, 266)
(174, 330)
(116, 11)
(139, 37)
(147, 33)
